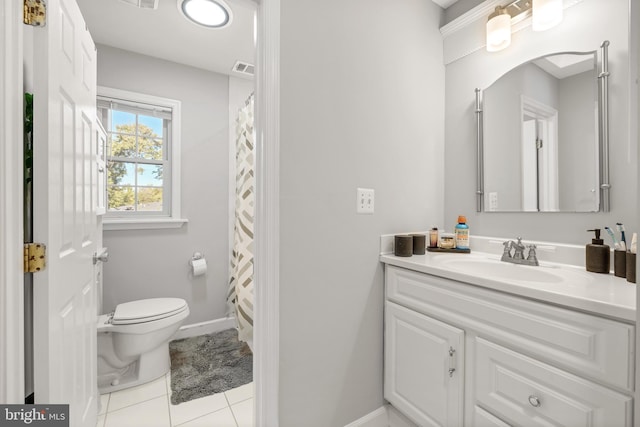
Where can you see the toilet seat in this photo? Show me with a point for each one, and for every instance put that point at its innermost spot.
(147, 310)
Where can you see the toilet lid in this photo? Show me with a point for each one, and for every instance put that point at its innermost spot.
(147, 310)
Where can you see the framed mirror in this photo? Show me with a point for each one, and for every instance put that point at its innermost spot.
(542, 131)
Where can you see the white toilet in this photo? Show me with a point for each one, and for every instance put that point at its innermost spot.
(133, 341)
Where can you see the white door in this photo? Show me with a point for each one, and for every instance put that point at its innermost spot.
(64, 212)
(548, 197)
(424, 367)
(529, 166)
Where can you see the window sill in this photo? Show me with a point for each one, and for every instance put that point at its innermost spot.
(112, 224)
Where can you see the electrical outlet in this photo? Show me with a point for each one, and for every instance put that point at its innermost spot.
(493, 201)
(364, 201)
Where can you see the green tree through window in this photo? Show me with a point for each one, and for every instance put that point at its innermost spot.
(136, 160)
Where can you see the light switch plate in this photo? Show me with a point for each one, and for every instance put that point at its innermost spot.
(365, 201)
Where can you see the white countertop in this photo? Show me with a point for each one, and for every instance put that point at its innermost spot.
(601, 294)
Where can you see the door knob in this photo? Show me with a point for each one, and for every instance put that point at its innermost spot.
(102, 257)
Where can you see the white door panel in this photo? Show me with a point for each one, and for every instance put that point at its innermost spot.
(424, 367)
(64, 212)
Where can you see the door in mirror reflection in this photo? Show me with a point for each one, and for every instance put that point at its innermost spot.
(541, 136)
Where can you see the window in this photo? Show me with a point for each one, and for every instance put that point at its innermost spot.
(143, 158)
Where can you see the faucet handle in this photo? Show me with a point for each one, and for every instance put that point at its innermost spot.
(506, 254)
(532, 254)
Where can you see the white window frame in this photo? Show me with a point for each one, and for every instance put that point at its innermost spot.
(141, 221)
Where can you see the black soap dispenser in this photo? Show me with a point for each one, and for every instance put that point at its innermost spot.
(598, 255)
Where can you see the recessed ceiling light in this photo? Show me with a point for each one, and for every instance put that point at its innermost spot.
(208, 13)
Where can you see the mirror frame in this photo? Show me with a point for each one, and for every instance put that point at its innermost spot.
(603, 135)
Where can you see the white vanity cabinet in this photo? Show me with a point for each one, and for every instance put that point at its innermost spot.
(515, 361)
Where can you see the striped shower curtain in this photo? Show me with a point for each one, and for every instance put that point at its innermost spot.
(240, 295)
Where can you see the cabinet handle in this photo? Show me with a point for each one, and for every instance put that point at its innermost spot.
(452, 361)
(534, 401)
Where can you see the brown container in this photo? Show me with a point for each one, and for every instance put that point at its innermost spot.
(631, 267)
(403, 245)
(620, 263)
(433, 237)
(598, 258)
(419, 244)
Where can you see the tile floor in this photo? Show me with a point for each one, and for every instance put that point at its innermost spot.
(149, 405)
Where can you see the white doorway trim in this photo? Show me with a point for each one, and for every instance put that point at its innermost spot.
(11, 225)
(267, 230)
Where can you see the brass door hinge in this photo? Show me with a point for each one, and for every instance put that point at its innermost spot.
(35, 255)
(35, 12)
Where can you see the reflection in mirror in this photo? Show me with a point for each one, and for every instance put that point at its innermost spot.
(539, 137)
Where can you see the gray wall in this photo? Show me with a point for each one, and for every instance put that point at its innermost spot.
(154, 263)
(584, 27)
(578, 95)
(361, 106)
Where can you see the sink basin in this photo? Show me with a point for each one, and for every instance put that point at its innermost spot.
(495, 269)
(489, 266)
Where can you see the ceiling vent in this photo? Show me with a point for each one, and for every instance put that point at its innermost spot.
(143, 4)
(244, 68)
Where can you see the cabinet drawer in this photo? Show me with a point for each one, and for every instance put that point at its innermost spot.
(588, 345)
(525, 392)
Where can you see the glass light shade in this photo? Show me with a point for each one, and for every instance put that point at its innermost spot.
(498, 32)
(208, 13)
(546, 14)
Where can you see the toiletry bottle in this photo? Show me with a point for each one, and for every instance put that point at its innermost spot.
(433, 237)
(598, 255)
(462, 233)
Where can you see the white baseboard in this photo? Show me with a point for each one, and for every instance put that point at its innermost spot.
(203, 328)
(377, 418)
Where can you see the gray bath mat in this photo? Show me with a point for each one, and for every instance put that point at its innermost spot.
(208, 364)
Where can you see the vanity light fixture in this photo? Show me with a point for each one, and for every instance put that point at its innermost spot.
(498, 30)
(545, 14)
(208, 13)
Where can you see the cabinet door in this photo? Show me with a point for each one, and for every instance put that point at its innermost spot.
(526, 392)
(424, 364)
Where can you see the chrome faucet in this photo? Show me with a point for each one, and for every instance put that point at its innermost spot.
(517, 257)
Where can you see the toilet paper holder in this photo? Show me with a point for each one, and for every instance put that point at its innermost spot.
(198, 264)
(196, 256)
